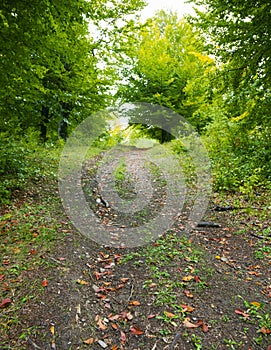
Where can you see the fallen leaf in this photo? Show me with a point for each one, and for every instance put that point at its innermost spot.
(264, 330)
(136, 330)
(169, 314)
(5, 303)
(115, 347)
(189, 324)
(2, 277)
(254, 273)
(52, 330)
(100, 323)
(151, 316)
(107, 283)
(255, 303)
(188, 278)
(188, 294)
(204, 327)
(89, 341)
(113, 318)
(82, 282)
(127, 315)
(134, 302)
(240, 312)
(33, 252)
(44, 283)
(151, 285)
(124, 280)
(114, 326)
(187, 308)
(122, 337)
(197, 279)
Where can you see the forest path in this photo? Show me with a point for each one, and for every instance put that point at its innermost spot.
(205, 290)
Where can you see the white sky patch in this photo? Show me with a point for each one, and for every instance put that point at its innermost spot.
(179, 6)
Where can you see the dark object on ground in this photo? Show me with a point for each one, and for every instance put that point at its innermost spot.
(219, 208)
(207, 224)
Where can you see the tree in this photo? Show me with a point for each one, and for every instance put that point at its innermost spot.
(49, 72)
(239, 36)
(165, 57)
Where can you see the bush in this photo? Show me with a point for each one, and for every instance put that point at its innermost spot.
(24, 161)
(241, 158)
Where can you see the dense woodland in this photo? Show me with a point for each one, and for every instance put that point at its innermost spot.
(63, 61)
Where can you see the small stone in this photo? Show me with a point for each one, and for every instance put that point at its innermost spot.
(102, 344)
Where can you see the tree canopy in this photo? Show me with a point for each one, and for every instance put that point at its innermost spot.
(49, 71)
(167, 56)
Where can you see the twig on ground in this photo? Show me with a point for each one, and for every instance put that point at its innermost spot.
(258, 236)
(131, 293)
(34, 344)
(177, 336)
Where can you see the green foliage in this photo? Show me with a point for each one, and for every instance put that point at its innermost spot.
(23, 162)
(236, 99)
(166, 56)
(49, 62)
(241, 157)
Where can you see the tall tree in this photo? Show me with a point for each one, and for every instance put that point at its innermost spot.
(49, 71)
(166, 56)
(239, 36)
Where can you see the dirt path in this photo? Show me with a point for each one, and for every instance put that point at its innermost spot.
(206, 290)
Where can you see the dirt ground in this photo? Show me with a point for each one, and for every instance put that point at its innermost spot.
(209, 289)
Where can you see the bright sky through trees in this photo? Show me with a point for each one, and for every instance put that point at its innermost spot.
(179, 6)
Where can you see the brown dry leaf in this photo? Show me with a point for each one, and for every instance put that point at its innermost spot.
(151, 316)
(32, 252)
(197, 279)
(82, 282)
(107, 283)
(113, 318)
(89, 341)
(136, 330)
(188, 278)
(187, 308)
(122, 337)
(151, 285)
(188, 294)
(101, 296)
(127, 315)
(240, 312)
(264, 330)
(254, 273)
(100, 323)
(5, 303)
(189, 324)
(114, 326)
(169, 314)
(124, 280)
(204, 327)
(115, 347)
(134, 302)
(44, 283)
